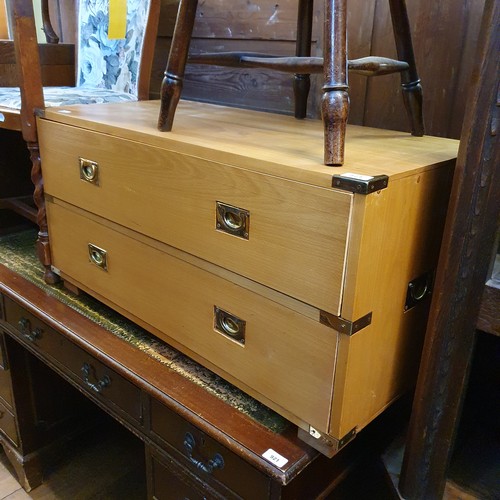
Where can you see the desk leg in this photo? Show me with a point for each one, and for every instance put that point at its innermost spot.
(27, 468)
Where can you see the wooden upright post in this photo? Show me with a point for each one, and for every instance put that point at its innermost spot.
(472, 221)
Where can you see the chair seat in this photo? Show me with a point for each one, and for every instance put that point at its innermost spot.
(10, 97)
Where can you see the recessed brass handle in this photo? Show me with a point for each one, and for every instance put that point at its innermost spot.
(229, 325)
(98, 256)
(418, 290)
(233, 220)
(89, 171)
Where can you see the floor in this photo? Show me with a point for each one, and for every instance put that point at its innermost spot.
(107, 460)
(107, 465)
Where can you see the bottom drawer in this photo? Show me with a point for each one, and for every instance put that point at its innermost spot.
(247, 336)
(5, 390)
(168, 480)
(98, 379)
(8, 424)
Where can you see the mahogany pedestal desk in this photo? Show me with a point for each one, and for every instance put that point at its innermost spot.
(203, 438)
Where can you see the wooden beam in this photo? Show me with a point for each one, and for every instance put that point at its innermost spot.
(472, 221)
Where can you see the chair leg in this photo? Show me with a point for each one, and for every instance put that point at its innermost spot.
(42, 244)
(335, 100)
(410, 82)
(302, 82)
(173, 80)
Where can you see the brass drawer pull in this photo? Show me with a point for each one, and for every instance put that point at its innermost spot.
(418, 290)
(233, 220)
(101, 384)
(89, 171)
(98, 256)
(229, 325)
(213, 464)
(25, 329)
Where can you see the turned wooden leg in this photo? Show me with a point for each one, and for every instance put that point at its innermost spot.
(173, 80)
(335, 101)
(410, 82)
(302, 82)
(42, 244)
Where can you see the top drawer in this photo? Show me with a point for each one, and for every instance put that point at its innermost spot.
(283, 225)
(77, 364)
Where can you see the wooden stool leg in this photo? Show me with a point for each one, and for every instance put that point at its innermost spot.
(412, 90)
(42, 244)
(173, 80)
(335, 101)
(302, 82)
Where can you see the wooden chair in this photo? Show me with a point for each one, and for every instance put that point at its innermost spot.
(334, 66)
(107, 70)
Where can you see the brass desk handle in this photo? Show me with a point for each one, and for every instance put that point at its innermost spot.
(214, 463)
(99, 385)
(25, 329)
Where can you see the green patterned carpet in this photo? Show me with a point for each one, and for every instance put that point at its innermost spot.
(17, 253)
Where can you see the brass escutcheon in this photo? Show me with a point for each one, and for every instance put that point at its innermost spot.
(98, 256)
(232, 220)
(89, 171)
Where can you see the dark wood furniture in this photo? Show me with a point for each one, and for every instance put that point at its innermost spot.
(334, 65)
(196, 444)
(29, 72)
(465, 257)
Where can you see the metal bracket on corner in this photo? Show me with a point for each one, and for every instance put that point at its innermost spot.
(334, 444)
(343, 325)
(360, 184)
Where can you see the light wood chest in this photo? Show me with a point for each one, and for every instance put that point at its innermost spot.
(305, 285)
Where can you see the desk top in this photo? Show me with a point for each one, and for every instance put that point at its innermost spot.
(222, 411)
(264, 142)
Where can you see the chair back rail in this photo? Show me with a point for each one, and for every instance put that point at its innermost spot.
(50, 34)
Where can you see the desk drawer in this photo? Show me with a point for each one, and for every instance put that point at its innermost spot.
(5, 384)
(173, 198)
(194, 445)
(191, 308)
(91, 374)
(5, 389)
(168, 480)
(8, 424)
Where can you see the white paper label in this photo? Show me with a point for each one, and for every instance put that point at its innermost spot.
(359, 177)
(2, 117)
(275, 458)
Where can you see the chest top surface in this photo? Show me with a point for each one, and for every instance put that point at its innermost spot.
(268, 143)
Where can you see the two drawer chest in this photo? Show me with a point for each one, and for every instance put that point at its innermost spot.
(304, 285)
